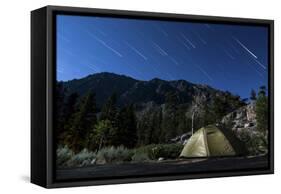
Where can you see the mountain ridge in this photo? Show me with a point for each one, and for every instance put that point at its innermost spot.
(133, 91)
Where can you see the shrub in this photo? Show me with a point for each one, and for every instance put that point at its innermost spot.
(83, 158)
(112, 154)
(256, 142)
(155, 151)
(117, 155)
(140, 157)
(170, 151)
(64, 154)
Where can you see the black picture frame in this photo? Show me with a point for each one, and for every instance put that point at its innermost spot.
(43, 55)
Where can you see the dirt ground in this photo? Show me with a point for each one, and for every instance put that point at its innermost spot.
(181, 166)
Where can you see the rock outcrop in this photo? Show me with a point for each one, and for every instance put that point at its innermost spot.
(243, 118)
(243, 123)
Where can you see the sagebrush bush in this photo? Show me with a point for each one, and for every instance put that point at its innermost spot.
(114, 155)
(67, 158)
(83, 158)
(64, 154)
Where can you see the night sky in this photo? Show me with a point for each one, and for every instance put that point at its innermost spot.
(226, 57)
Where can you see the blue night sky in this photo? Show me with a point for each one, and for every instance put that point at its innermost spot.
(226, 57)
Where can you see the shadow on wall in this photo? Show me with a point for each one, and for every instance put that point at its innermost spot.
(25, 178)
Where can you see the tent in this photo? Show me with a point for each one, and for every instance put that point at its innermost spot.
(208, 141)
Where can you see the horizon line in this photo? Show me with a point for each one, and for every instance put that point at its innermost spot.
(131, 77)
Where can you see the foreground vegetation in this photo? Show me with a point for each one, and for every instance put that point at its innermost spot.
(116, 155)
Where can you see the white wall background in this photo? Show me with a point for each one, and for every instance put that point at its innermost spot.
(15, 94)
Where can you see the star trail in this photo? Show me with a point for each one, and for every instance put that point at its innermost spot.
(226, 57)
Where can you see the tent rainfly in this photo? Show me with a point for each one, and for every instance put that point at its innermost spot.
(208, 141)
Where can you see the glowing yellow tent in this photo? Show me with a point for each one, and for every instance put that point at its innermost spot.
(208, 141)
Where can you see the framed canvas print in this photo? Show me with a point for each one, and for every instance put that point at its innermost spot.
(124, 96)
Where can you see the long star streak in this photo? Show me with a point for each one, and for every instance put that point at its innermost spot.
(185, 45)
(174, 61)
(136, 51)
(200, 38)
(102, 32)
(260, 64)
(243, 46)
(252, 66)
(105, 45)
(204, 72)
(92, 68)
(255, 69)
(185, 38)
(160, 50)
(260, 74)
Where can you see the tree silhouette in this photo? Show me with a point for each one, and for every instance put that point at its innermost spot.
(262, 109)
(83, 123)
(253, 95)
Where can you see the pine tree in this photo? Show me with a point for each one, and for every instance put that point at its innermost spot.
(123, 123)
(70, 109)
(83, 123)
(109, 110)
(169, 125)
(262, 109)
(253, 95)
(131, 127)
(183, 121)
(60, 98)
(220, 105)
(208, 115)
(127, 127)
(67, 116)
(156, 125)
(118, 136)
(142, 129)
